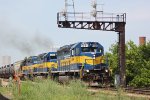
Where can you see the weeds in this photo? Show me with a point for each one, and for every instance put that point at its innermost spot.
(51, 90)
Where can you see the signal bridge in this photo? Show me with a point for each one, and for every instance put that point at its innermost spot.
(98, 20)
(102, 21)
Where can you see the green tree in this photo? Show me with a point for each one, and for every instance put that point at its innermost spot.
(142, 78)
(137, 63)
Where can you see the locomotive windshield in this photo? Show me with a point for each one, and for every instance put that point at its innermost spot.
(35, 60)
(89, 49)
(53, 57)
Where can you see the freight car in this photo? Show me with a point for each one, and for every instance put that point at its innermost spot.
(10, 70)
(84, 60)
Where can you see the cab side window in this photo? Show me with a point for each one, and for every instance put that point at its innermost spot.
(72, 52)
(77, 51)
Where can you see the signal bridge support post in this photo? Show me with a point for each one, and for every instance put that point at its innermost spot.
(103, 22)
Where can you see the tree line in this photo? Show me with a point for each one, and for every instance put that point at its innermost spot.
(137, 63)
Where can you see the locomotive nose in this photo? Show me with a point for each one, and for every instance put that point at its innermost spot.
(95, 54)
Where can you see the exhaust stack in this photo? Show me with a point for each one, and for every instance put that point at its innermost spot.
(142, 40)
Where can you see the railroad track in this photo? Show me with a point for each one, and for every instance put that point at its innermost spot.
(127, 90)
(138, 91)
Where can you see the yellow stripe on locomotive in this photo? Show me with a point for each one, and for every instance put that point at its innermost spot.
(50, 64)
(82, 59)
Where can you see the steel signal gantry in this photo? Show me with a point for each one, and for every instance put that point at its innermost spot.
(102, 21)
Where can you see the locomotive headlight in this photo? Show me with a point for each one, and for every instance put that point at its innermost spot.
(87, 70)
(93, 56)
(106, 70)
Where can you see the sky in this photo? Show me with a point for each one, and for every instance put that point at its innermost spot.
(29, 27)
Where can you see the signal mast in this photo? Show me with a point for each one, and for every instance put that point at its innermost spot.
(97, 20)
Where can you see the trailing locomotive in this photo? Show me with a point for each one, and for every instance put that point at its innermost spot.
(84, 60)
(39, 65)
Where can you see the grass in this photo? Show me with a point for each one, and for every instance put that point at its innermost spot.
(50, 90)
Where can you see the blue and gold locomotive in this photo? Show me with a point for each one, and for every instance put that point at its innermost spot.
(84, 60)
(39, 65)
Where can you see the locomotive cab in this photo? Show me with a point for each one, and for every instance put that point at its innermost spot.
(50, 60)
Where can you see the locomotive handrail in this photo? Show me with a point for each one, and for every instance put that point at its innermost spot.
(100, 16)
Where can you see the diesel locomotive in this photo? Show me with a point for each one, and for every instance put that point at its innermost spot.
(84, 60)
(39, 65)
